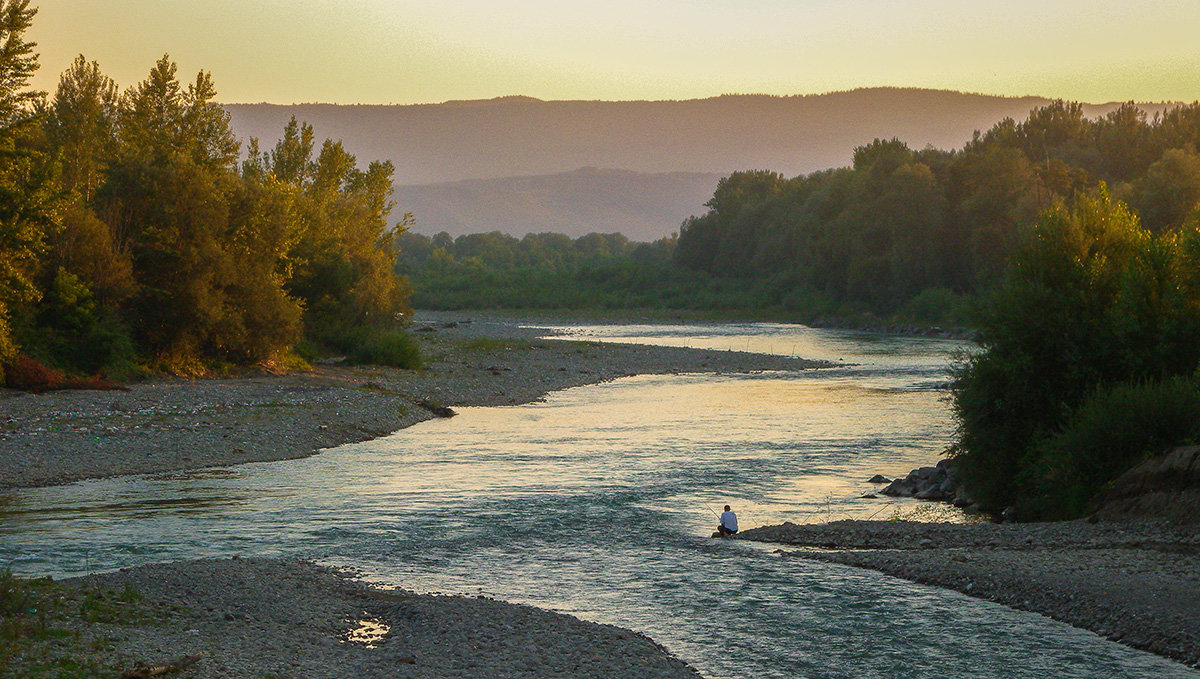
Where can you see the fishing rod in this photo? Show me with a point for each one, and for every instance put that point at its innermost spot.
(711, 510)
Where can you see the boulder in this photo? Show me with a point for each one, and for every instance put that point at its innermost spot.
(899, 488)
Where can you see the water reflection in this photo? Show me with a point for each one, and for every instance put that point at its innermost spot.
(593, 503)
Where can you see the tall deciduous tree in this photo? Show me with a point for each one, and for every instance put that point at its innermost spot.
(207, 245)
(27, 193)
(82, 125)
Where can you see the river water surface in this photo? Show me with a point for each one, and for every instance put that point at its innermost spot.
(598, 501)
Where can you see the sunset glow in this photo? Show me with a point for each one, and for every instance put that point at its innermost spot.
(417, 51)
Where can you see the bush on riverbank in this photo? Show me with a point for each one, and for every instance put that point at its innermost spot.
(1114, 430)
(390, 348)
(1088, 327)
(366, 345)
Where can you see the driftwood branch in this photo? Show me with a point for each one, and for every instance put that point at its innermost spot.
(439, 410)
(144, 669)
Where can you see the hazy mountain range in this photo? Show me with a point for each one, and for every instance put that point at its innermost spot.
(513, 164)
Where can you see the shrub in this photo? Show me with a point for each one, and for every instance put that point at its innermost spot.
(1114, 430)
(392, 348)
(937, 306)
(26, 373)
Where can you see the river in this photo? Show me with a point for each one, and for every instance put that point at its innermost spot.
(598, 502)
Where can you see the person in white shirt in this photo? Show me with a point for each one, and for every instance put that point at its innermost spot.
(728, 523)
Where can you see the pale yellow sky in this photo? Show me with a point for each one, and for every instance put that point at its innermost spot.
(418, 51)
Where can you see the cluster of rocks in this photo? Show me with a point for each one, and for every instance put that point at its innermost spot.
(939, 482)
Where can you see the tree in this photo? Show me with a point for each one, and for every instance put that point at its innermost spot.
(343, 259)
(82, 125)
(1169, 191)
(28, 193)
(1093, 301)
(209, 247)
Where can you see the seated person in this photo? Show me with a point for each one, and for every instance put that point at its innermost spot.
(728, 523)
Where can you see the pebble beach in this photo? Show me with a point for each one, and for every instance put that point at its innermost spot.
(1134, 582)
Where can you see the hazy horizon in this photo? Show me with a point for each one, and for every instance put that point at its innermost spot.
(866, 88)
(426, 52)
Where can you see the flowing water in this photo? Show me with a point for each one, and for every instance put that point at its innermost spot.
(597, 503)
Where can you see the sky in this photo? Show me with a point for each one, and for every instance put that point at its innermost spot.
(429, 51)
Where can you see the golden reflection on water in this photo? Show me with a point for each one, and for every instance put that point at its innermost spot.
(646, 431)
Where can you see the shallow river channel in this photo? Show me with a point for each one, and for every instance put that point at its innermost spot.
(597, 502)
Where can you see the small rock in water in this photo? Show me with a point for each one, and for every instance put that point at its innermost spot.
(879, 478)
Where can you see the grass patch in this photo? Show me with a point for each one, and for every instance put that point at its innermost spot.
(41, 623)
(376, 388)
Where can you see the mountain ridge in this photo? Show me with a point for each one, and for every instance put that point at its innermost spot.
(435, 145)
(481, 139)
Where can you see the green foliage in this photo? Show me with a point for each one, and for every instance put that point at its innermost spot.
(77, 333)
(1094, 301)
(113, 608)
(899, 221)
(366, 345)
(938, 306)
(27, 191)
(1114, 429)
(128, 233)
(39, 620)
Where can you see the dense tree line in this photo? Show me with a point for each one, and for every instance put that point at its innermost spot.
(553, 271)
(539, 271)
(130, 234)
(901, 221)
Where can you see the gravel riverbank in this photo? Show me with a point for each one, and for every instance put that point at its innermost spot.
(289, 619)
(263, 618)
(1137, 583)
(173, 425)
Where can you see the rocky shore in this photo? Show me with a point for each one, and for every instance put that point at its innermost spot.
(1135, 582)
(237, 618)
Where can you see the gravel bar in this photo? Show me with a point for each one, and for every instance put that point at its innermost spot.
(1137, 583)
(175, 424)
(288, 619)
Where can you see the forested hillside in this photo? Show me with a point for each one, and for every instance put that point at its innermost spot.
(130, 235)
(901, 223)
(521, 136)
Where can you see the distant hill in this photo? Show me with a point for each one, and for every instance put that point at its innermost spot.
(514, 137)
(642, 206)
